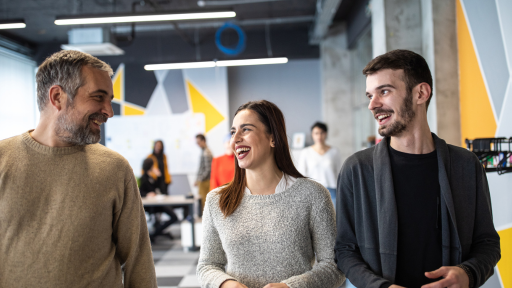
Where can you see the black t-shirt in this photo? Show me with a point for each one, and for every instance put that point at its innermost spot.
(417, 192)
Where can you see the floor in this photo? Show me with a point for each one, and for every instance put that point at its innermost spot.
(174, 267)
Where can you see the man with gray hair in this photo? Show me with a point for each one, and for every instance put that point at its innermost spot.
(70, 210)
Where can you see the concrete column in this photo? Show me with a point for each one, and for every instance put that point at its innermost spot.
(336, 91)
(427, 27)
(440, 50)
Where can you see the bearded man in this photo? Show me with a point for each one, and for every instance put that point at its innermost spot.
(413, 211)
(70, 210)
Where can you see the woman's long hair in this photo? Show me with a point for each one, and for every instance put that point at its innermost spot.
(272, 118)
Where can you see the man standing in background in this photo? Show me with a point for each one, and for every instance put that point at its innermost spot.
(205, 166)
(70, 209)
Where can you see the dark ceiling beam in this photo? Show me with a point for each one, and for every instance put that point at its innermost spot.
(325, 12)
(215, 24)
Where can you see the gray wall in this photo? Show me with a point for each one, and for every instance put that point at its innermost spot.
(294, 87)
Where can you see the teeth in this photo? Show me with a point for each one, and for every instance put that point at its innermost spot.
(242, 150)
(383, 116)
(96, 122)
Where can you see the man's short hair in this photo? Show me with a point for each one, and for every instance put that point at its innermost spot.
(64, 68)
(319, 125)
(415, 68)
(201, 136)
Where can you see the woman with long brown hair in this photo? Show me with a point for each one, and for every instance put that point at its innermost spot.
(266, 227)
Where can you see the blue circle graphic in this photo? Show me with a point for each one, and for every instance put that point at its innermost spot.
(240, 46)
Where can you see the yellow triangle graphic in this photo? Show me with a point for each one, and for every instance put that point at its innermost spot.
(474, 100)
(118, 83)
(212, 117)
(132, 111)
(505, 264)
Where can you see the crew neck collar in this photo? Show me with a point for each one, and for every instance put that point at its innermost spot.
(29, 141)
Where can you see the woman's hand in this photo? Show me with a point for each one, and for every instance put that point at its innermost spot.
(151, 194)
(233, 284)
(276, 285)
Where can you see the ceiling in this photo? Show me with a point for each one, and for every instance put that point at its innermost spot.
(284, 17)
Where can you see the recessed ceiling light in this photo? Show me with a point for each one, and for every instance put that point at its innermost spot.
(142, 18)
(222, 63)
(12, 24)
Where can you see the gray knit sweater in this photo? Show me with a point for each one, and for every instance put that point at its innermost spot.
(271, 239)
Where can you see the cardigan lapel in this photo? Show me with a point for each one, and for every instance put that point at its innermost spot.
(450, 238)
(386, 209)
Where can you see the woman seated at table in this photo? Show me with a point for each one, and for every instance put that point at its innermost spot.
(266, 227)
(149, 188)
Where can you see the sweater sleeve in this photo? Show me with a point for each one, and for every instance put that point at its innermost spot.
(348, 255)
(131, 237)
(323, 233)
(212, 260)
(485, 249)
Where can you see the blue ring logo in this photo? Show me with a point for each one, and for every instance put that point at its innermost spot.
(240, 46)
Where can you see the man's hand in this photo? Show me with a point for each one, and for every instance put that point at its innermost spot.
(454, 277)
(276, 285)
(151, 194)
(396, 286)
(232, 284)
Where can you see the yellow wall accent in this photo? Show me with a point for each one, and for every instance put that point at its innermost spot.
(200, 104)
(505, 264)
(132, 111)
(118, 85)
(477, 118)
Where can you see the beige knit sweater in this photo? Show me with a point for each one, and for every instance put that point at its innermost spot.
(70, 217)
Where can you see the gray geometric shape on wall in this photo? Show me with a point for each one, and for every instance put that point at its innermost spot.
(175, 89)
(486, 30)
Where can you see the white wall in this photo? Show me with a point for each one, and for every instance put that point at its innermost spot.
(294, 87)
(18, 107)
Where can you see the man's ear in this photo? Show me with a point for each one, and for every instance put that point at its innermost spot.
(57, 97)
(422, 93)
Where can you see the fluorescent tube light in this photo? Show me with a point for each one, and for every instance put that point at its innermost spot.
(189, 65)
(262, 61)
(144, 18)
(222, 63)
(12, 24)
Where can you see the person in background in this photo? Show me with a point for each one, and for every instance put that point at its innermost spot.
(270, 227)
(160, 160)
(223, 167)
(148, 186)
(320, 161)
(205, 166)
(413, 211)
(70, 210)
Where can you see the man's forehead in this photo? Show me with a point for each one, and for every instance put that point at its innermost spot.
(385, 76)
(97, 78)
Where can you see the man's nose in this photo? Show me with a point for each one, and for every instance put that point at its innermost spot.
(374, 103)
(108, 110)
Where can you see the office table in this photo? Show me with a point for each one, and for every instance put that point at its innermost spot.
(175, 200)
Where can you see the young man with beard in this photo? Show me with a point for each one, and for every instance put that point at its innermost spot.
(70, 210)
(413, 211)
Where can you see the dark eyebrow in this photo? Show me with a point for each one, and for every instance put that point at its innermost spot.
(102, 92)
(243, 125)
(380, 87)
(386, 86)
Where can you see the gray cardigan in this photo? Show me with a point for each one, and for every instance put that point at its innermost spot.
(367, 221)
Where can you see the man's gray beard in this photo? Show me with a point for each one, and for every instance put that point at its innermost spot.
(399, 126)
(75, 133)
